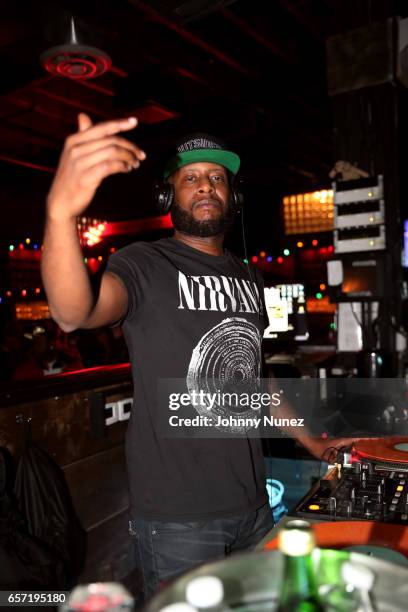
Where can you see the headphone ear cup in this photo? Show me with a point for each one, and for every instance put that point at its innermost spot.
(237, 200)
(163, 197)
(237, 195)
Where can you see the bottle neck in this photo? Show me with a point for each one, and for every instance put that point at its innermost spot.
(299, 592)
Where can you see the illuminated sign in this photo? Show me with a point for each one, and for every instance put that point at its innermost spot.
(32, 311)
(309, 212)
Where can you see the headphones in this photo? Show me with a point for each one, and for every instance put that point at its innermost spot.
(164, 195)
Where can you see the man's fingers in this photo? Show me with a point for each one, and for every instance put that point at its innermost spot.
(107, 128)
(84, 122)
(95, 175)
(110, 153)
(86, 148)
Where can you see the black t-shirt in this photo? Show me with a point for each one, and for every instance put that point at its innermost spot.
(190, 314)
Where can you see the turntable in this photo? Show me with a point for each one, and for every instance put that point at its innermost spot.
(368, 483)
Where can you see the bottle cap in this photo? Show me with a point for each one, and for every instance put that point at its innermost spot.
(99, 597)
(296, 538)
(205, 592)
(357, 575)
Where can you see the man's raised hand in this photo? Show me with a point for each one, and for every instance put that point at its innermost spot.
(89, 156)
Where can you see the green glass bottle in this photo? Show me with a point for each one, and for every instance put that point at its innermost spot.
(299, 591)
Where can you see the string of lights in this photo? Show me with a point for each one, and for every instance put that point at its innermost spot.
(19, 249)
(324, 250)
(27, 244)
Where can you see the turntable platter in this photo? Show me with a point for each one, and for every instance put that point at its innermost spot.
(393, 449)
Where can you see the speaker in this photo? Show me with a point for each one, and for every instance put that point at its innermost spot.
(164, 196)
(360, 58)
(374, 54)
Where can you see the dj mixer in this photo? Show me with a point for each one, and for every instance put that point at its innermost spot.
(369, 482)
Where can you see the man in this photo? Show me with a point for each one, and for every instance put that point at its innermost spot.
(190, 310)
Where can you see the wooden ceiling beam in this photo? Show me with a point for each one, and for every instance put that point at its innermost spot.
(250, 31)
(194, 39)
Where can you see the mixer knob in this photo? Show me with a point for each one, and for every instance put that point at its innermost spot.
(368, 507)
(353, 493)
(384, 510)
(364, 501)
(332, 505)
(349, 508)
(325, 487)
(389, 487)
(357, 467)
(371, 469)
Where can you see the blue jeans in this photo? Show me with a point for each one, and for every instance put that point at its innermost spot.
(164, 550)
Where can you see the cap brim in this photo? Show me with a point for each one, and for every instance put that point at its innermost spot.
(228, 159)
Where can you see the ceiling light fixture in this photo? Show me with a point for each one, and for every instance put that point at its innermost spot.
(75, 60)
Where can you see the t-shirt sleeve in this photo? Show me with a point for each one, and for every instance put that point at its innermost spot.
(127, 264)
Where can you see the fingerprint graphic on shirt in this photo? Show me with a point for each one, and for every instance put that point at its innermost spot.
(227, 359)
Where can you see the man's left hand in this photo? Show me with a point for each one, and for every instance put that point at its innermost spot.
(327, 449)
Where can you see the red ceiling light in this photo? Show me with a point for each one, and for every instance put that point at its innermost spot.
(74, 60)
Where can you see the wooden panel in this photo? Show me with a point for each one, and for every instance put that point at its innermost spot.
(98, 486)
(61, 426)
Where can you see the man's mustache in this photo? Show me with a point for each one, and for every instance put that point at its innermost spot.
(212, 201)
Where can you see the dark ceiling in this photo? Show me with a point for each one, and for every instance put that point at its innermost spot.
(252, 72)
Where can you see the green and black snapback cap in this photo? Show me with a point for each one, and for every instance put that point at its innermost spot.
(200, 147)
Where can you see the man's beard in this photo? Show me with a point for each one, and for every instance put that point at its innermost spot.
(184, 222)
